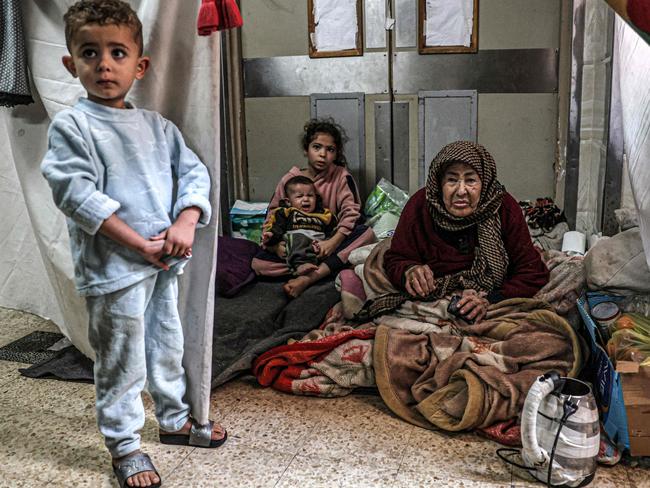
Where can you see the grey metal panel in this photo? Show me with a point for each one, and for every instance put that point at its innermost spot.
(401, 144)
(348, 110)
(374, 15)
(302, 76)
(392, 142)
(383, 141)
(444, 117)
(406, 28)
(492, 71)
(573, 142)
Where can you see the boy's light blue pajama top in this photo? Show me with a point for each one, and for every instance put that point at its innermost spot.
(135, 164)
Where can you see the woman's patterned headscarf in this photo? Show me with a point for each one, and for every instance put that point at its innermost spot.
(490, 257)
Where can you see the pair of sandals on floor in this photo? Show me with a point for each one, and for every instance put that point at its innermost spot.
(139, 462)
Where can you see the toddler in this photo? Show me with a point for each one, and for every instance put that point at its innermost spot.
(133, 194)
(300, 224)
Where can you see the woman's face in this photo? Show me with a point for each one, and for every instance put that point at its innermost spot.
(461, 189)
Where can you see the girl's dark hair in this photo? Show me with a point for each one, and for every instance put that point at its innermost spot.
(329, 127)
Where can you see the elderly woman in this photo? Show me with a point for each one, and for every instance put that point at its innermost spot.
(464, 234)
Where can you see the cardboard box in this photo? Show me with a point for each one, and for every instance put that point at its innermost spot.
(636, 396)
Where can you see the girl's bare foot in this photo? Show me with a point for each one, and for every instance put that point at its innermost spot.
(294, 287)
(305, 269)
(142, 479)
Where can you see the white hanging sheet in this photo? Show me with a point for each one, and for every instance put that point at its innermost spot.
(634, 68)
(183, 85)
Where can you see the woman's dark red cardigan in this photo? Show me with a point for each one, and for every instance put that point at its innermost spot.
(418, 240)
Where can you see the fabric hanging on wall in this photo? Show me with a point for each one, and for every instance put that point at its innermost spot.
(14, 81)
(183, 85)
(216, 15)
(633, 60)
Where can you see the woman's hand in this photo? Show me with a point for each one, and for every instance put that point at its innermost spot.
(419, 280)
(473, 305)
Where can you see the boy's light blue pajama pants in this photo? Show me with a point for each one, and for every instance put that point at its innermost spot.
(137, 337)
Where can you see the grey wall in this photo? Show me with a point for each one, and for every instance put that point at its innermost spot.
(520, 133)
(273, 129)
(274, 28)
(518, 24)
(520, 129)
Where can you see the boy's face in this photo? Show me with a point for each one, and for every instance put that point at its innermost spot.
(107, 61)
(303, 197)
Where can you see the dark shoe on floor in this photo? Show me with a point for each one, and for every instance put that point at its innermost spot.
(199, 436)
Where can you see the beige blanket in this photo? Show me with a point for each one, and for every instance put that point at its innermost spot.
(459, 377)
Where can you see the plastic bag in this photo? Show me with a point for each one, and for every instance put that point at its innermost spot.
(246, 220)
(630, 339)
(384, 224)
(385, 197)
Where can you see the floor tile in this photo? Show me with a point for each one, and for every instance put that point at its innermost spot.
(454, 456)
(639, 477)
(359, 427)
(264, 418)
(40, 447)
(230, 465)
(321, 471)
(47, 396)
(611, 477)
(9, 371)
(416, 479)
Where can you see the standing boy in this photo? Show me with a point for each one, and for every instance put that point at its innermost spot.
(133, 194)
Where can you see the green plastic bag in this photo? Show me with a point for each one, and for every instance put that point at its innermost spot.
(385, 197)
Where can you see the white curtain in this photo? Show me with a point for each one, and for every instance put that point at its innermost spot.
(183, 85)
(634, 74)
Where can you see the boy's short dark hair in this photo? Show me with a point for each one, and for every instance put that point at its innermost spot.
(298, 180)
(102, 12)
(326, 126)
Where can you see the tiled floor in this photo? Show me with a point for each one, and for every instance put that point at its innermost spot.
(48, 438)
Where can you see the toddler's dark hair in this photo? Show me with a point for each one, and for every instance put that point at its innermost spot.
(326, 126)
(102, 12)
(298, 180)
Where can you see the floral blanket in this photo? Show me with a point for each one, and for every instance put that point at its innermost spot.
(430, 368)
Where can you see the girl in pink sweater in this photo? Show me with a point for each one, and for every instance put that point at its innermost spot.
(322, 142)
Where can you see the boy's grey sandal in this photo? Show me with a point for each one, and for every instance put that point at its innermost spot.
(133, 464)
(200, 436)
